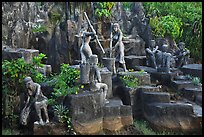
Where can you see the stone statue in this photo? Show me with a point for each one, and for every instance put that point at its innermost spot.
(150, 53)
(95, 78)
(181, 55)
(163, 59)
(36, 98)
(85, 49)
(118, 46)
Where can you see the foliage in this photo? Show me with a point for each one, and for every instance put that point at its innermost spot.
(189, 13)
(39, 28)
(127, 5)
(104, 9)
(144, 127)
(9, 132)
(13, 72)
(166, 26)
(196, 81)
(130, 81)
(63, 116)
(66, 82)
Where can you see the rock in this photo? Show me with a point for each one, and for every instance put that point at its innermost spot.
(111, 116)
(50, 129)
(116, 115)
(106, 77)
(191, 93)
(86, 112)
(155, 97)
(27, 54)
(134, 47)
(193, 69)
(180, 84)
(143, 77)
(132, 61)
(110, 64)
(172, 116)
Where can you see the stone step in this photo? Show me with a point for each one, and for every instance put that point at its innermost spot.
(190, 93)
(143, 77)
(155, 97)
(193, 69)
(132, 61)
(178, 116)
(116, 115)
(180, 84)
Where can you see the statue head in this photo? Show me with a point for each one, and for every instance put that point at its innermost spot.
(28, 82)
(164, 48)
(116, 26)
(181, 45)
(93, 59)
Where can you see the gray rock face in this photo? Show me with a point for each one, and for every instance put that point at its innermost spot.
(27, 54)
(132, 61)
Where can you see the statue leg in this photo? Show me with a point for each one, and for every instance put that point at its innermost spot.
(124, 67)
(38, 110)
(46, 113)
(116, 66)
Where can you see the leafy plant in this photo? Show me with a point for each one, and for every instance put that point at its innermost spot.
(196, 81)
(104, 9)
(63, 116)
(66, 82)
(130, 81)
(39, 28)
(166, 26)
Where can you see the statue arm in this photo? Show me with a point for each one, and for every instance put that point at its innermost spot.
(155, 49)
(38, 91)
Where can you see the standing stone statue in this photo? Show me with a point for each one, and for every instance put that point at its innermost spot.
(150, 53)
(181, 55)
(36, 98)
(118, 46)
(95, 78)
(85, 49)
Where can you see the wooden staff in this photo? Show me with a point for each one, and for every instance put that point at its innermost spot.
(94, 32)
(111, 35)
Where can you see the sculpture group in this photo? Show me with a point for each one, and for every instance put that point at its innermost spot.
(158, 58)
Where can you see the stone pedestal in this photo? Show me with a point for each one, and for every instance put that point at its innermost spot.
(106, 77)
(110, 64)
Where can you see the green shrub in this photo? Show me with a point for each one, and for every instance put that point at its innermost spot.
(189, 13)
(130, 81)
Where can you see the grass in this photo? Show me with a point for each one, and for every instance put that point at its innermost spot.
(144, 128)
(9, 132)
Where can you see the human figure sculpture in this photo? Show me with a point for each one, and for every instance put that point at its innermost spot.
(36, 98)
(118, 46)
(181, 55)
(150, 53)
(85, 49)
(163, 59)
(95, 78)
